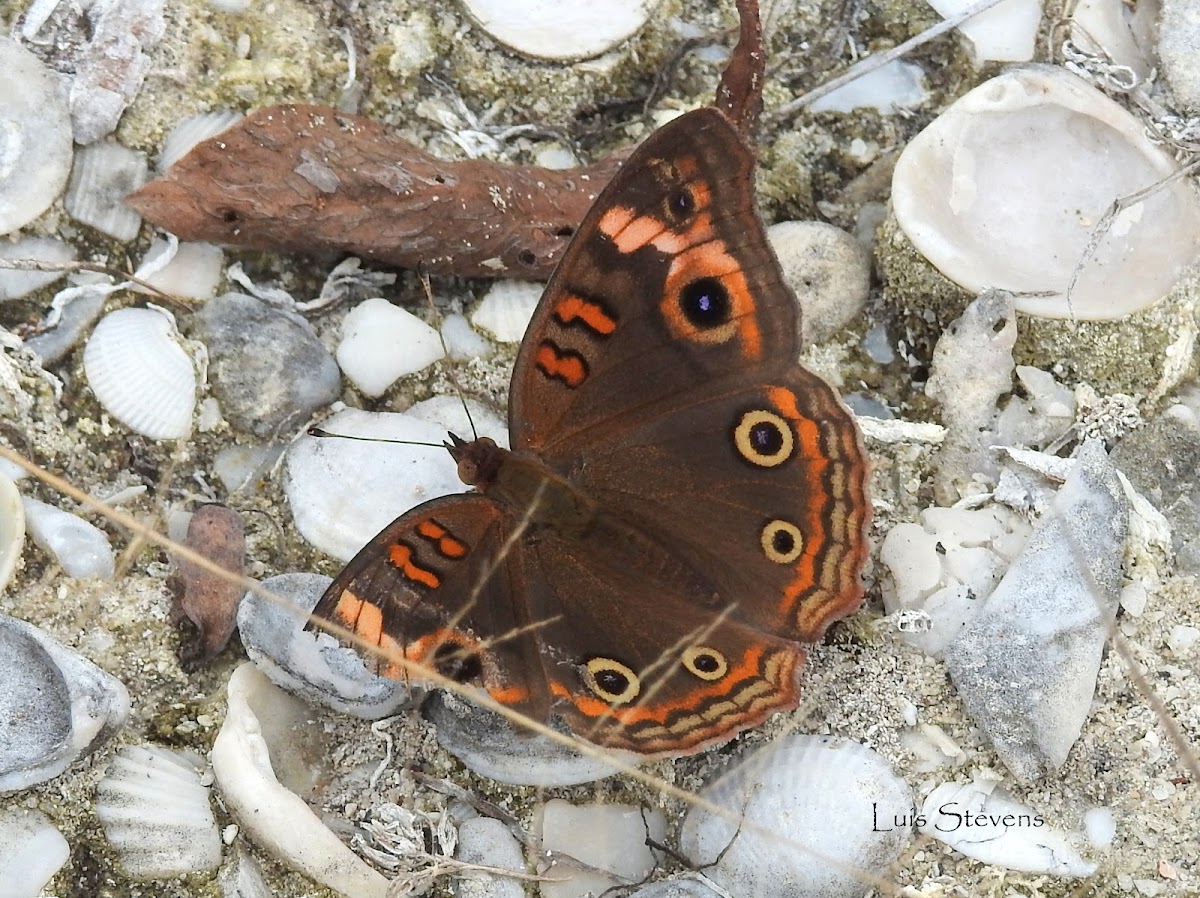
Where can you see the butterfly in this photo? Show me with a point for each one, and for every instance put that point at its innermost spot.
(683, 504)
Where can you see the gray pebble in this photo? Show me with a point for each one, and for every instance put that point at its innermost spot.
(268, 369)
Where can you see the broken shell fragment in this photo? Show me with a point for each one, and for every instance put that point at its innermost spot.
(1010, 185)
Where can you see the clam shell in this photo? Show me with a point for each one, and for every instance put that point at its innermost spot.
(35, 142)
(1004, 188)
(156, 815)
(506, 308)
(140, 373)
(562, 30)
(803, 820)
(191, 131)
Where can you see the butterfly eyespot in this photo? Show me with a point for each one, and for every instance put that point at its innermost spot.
(611, 680)
(782, 541)
(705, 662)
(680, 204)
(763, 438)
(705, 304)
(457, 662)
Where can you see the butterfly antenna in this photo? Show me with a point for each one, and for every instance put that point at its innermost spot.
(450, 374)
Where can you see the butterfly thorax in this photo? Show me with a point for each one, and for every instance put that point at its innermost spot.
(524, 484)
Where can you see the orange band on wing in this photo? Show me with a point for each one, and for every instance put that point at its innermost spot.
(401, 557)
(566, 366)
(573, 308)
(446, 544)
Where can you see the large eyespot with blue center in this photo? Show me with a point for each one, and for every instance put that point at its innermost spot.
(763, 438)
(705, 662)
(612, 681)
(705, 304)
(782, 541)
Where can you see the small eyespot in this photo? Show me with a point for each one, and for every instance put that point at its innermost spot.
(680, 204)
(458, 662)
(763, 438)
(782, 541)
(611, 680)
(705, 662)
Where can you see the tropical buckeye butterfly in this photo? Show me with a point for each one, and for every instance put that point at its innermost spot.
(683, 502)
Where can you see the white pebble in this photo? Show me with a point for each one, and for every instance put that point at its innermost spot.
(32, 850)
(15, 283)
(382, 342)
(81, 549)
(562, 31)
(194, 272)
(462, 341)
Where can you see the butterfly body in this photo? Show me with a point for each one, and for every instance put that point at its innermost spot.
(683, 503)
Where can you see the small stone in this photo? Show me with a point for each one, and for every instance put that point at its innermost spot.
(827, 270)
(1026, 665)
(382, 342)
(487, 842)
(268, 368)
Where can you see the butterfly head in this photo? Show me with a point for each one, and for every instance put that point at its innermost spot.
(478, 460)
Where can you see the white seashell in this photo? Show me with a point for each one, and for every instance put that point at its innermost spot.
(261, 740)
(1178, 37)
(14, 283)
(103, 175)
(827, 270)
(1103, 28)
(506, 308)
(193, 130)
(12, 529)
(35, 141)
(140, 374)
(1020, 840)
(110, 68)
(32, 850)
(806, 813)
(1004, 188)
(382, 342)
(343, 492)
(156, 815)
(606, 837)
(562, 30)
(1005, 33)
(81, 549)
(57, 704)
(193, 272)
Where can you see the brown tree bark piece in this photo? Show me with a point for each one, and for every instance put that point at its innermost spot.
(207, 601)
(310, 179)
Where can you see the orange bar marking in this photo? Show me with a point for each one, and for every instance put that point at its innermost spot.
(567, 367)
(447, 545)
(401, 557)
(573, 308)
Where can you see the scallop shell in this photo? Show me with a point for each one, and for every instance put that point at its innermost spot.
(35, 142)
(12, 528)
(140, 374)
(506, 308)
(103, 175)
(191, 131)
(156, 815)
(805, 815)
(561, 30)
